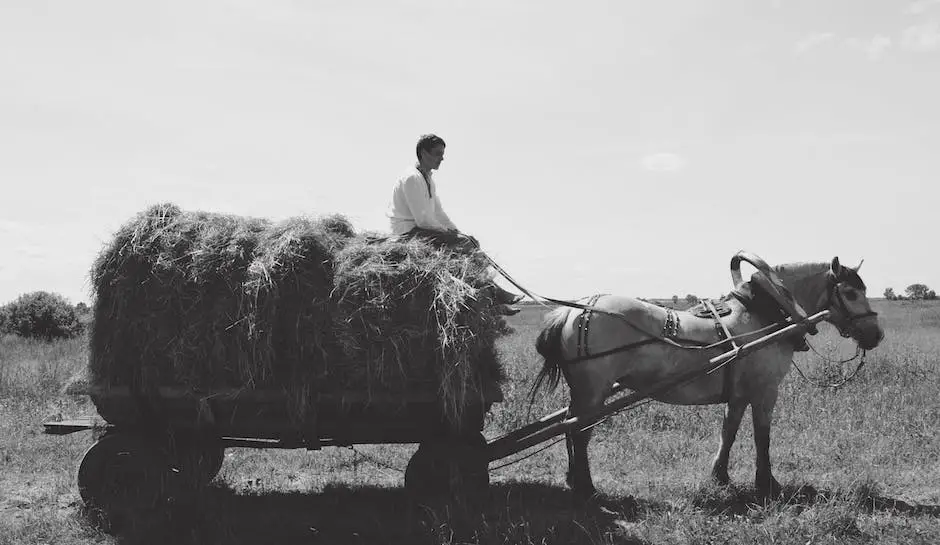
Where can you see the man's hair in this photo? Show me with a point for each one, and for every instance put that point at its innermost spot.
(427, 142)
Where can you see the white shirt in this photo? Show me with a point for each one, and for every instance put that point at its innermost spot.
(415, 204)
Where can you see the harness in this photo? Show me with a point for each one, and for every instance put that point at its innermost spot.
(785, 306)
(842, 306)
(584, 327)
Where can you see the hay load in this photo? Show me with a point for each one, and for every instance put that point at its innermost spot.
(169, 301)
(407, 312)
(211, 301)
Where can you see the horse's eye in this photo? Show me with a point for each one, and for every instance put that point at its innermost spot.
(851, 295)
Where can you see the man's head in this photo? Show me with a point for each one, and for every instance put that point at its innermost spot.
(430, 151)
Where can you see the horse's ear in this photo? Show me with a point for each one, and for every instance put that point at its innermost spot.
(836, 268)
(859, 266)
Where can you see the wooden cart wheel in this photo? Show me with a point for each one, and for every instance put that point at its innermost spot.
(454, 468)
(123, 472)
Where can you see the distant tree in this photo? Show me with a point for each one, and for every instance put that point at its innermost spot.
(675, 299)
(41, 315)
(916, 291)
(691, 299)
(81, 308)
(931, 295)
(889, 294)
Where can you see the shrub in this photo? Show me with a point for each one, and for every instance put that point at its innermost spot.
(40, 315)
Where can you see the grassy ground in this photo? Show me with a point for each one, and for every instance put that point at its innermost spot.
(860, 464)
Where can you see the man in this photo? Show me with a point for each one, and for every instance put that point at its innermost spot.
(416, 210)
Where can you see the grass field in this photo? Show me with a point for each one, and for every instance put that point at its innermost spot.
(860, 464)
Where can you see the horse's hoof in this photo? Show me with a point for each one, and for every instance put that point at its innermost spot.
(721, 479)
(584, 496)
(770, 489)
(603, 506)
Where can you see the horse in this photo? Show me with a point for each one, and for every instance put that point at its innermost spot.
(632, 344)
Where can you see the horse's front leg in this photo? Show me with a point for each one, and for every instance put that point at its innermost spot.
(762, 414)
(734, 411)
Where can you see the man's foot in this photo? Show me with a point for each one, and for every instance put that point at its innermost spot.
(506, 297)
(507, 310)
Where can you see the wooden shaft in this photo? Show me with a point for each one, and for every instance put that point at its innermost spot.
(514, 443)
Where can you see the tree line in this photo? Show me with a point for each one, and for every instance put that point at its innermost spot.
(912, 292)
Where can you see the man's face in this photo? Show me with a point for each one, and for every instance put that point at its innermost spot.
(432, 159)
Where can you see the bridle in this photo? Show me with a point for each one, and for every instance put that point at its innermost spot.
(835, 300)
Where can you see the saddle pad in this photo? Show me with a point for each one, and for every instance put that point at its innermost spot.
(701, 311)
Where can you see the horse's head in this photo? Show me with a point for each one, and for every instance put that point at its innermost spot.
(850, 310)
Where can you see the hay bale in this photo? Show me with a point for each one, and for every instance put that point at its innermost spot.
(210, 301)
(288, 287)
(408, 313)
(169, 306)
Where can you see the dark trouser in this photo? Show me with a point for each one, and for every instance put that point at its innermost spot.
(453, 241)
(440, 239)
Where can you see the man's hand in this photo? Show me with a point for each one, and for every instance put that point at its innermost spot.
(469, 238)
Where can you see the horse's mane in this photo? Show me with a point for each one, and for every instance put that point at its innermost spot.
(797, 271)
(800, 270)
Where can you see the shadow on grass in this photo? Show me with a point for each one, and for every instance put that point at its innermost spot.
(512, 513)
(735, 500)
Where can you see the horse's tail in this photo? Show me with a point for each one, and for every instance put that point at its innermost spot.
(548, 345)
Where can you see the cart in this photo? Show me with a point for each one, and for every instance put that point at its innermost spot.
(160, 446)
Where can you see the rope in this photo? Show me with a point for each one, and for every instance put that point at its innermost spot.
(374, 460)
(533, 453)
(845, 380)
(813, 348)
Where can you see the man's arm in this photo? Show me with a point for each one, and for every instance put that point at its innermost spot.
(415, 190)
(443, 217)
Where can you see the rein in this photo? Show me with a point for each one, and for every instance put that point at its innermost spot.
(838, 384)
(833, 290)
(653, 337)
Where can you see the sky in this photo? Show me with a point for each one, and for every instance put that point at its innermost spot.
(603, 147)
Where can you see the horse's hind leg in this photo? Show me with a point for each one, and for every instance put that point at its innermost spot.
(579, 467)
(762, 413)
(734, 411)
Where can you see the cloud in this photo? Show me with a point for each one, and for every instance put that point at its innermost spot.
(13, 227)
(812, 41)
(920, 6)
(840, 138)
(29, 252)
(874, 48)
(663, 162)
(878, 45)
(921, 38)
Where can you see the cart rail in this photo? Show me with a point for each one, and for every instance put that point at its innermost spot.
(267, 395)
